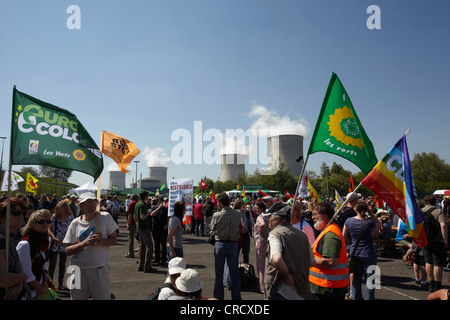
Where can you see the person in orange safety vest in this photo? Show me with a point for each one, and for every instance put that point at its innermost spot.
(329, 278)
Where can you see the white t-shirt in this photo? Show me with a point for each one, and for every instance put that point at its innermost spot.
(92, 256)
(166, 293)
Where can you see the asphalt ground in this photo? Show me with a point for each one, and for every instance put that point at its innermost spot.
(127, 283)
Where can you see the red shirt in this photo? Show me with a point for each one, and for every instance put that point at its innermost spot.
(198, 212)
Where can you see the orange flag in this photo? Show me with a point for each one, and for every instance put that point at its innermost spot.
(121, 150)
(351, 185)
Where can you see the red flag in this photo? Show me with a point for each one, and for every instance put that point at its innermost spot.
(288, 194)
(186, 220)
(203, 185)
(213, 197)
(262, 193)
(351, 186)
(378, 202)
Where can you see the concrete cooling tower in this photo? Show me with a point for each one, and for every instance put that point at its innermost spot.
(117, 179)
(157, 177)
(158, 173)
(285, 149)
(232, 166)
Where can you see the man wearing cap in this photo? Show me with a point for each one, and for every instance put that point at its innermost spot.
(349, 210)
(176, 266)
(88, 240)
(288, 258)
(268, 201)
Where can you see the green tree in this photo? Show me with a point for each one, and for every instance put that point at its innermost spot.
(430, 172)
(55, 173)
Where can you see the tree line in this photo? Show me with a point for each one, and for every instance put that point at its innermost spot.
(430, 173)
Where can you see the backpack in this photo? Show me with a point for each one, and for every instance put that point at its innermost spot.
(246, 275)
(154, 295)
(431, 225)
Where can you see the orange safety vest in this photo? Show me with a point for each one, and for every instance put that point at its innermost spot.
(337, 277)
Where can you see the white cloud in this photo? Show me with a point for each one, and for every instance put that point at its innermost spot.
(156, 157)
(270, 123)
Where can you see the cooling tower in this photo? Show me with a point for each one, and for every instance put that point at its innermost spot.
(285, 149)
(232, 166)
(116, 179)
(158, 173)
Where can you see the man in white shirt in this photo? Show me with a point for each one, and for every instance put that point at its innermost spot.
(88, 240)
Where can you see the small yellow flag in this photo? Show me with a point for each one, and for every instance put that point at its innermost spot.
(312, 192)
(121, 150)
(31, 185)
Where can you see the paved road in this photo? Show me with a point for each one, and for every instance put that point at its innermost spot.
(127, 283)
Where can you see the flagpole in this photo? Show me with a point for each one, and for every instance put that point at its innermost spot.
(299, 182)
(8, 203)
(346, 200)
(337, 211)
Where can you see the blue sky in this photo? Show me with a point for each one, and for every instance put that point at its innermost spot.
(143, 69)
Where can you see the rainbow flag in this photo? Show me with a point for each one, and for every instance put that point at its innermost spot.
(392, 180)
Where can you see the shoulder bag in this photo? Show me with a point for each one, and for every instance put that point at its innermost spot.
(351, 258)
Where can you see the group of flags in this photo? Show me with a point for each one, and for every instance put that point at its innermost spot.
(31, 183)
(38, 127)
(339, 131)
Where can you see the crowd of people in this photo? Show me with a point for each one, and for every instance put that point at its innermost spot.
(303, 249)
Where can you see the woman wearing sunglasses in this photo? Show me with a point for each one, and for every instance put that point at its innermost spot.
(12, 277)
(33, 252)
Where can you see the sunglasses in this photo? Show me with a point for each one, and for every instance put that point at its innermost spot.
(43, 221)
(18, 213)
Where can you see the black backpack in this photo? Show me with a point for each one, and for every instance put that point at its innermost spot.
(155, 293)
(431, 225)
(247, 275)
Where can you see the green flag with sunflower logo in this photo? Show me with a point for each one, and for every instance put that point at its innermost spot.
(339, 131)
(44, 134)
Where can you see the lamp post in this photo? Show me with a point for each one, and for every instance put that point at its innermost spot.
(136, 172)
(326, 177)
(1, 161)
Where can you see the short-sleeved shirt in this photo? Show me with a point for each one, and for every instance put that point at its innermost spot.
(365, 248)
(141, 208)
(329, 247)
(93, 256)
(226, 224)
(59, 229)
(178, 236)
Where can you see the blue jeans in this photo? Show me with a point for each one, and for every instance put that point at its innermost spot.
(360, 277)
(226, 251)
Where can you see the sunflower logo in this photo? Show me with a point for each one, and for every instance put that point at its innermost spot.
(79, 155)
(344, 128)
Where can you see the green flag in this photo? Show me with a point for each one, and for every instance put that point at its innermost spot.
(43, 134)
(339, 131)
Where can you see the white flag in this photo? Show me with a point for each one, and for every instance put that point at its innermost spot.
(303, 189)
(15, 181)
(339, 200)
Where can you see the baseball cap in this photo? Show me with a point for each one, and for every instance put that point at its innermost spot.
(283, 212)
(87, 196)
(352, 196)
